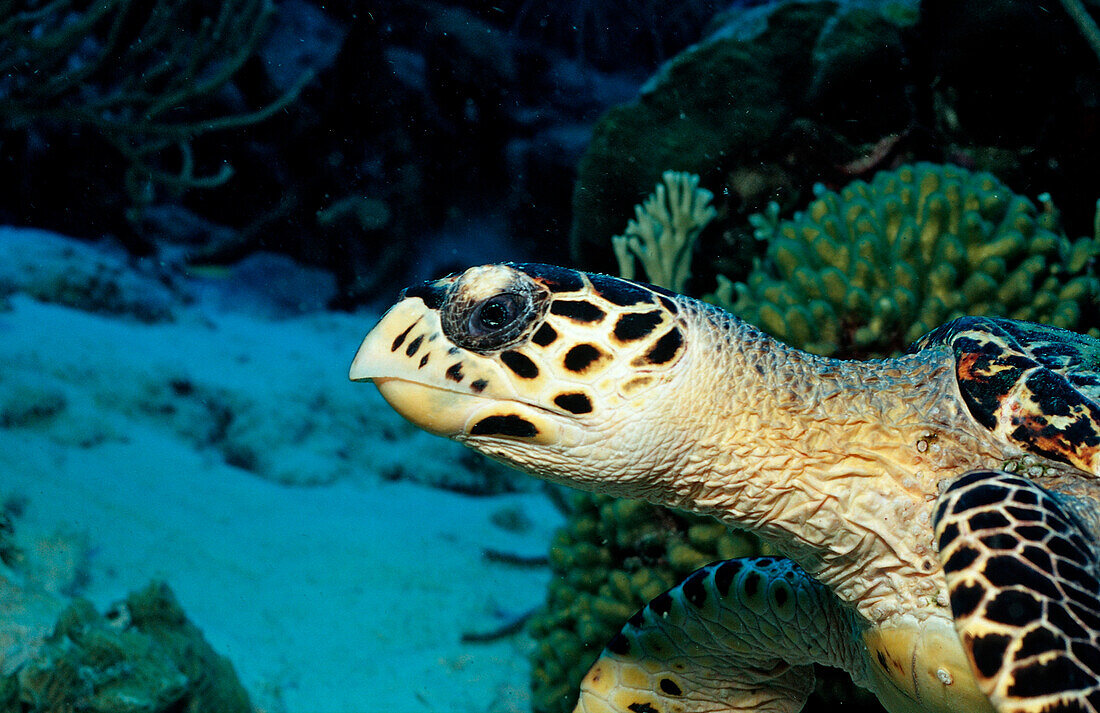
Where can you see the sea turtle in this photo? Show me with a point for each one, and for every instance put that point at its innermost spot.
(937, 511)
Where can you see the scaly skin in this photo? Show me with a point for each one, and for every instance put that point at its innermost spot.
(837, 464)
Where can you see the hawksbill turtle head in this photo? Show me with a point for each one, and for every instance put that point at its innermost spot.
(530, 364)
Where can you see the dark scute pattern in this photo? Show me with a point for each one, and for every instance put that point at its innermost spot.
(1024, 513)
(670, 305)
(781, 595)
(1006, 571)
(520, 364)
(556, 279)
(509, 425)
(724, 575)
(989, 520)
(620, 292)
(751, 584)
(1026, 497)
(1038, 641)
(1000, 541)
(989, 653)
(577, 310)
(979, 496)
(1040, 558)
(1044, 678)
(545, 335)
(693, 588)
(950, 532)
(619, 644)
(1063, 547)
(960, 559)
(636, 325)
(1035, 533)
(661, 605)
(1014, 607)
(965, 598)
(1088, 654)
(1064, 621)
(666, 347)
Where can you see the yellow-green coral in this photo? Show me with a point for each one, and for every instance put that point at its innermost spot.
(663, 232)
(865, 271)
(610, 558)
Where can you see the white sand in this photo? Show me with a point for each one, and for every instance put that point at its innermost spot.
(345, 596)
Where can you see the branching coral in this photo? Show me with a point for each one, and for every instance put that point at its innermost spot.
(141, 75)
(663, 232)
(866, 270)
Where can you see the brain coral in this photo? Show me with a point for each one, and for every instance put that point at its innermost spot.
(866, 270)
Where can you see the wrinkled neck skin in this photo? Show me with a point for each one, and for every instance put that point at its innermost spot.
(835, 463)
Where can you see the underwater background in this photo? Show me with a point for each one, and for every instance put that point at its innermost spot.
(205, 204)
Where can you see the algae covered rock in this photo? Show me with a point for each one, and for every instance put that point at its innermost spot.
(144, 656)
(866, 270)
(736, 100)
(610, 559)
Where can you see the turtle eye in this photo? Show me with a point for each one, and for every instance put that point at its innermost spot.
(494, 314)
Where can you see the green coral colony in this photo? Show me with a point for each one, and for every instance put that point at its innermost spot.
(860, 272)
(866, 270)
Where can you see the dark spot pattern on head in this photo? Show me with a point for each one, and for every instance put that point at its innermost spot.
(520, 364)
(414, 345)
(579, 311)
(478, 385)
(556, 279)
(617, 291)
(636, 325)
(582, 356)
(510, 425)
(669, 686)
(641, 708)
(545, 335)
(454, 372)
(400, 338)
(666, 348)
(576, 403)
(432, 293)
(424, 360)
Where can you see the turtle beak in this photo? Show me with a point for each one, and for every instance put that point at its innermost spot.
(393, 356)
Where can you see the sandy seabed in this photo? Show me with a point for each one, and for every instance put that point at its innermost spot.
(347, 589)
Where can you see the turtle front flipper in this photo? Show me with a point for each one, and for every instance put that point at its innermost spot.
(740, 635)
(1024, 581)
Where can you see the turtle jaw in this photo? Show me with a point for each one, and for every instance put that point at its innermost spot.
(445, 390)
